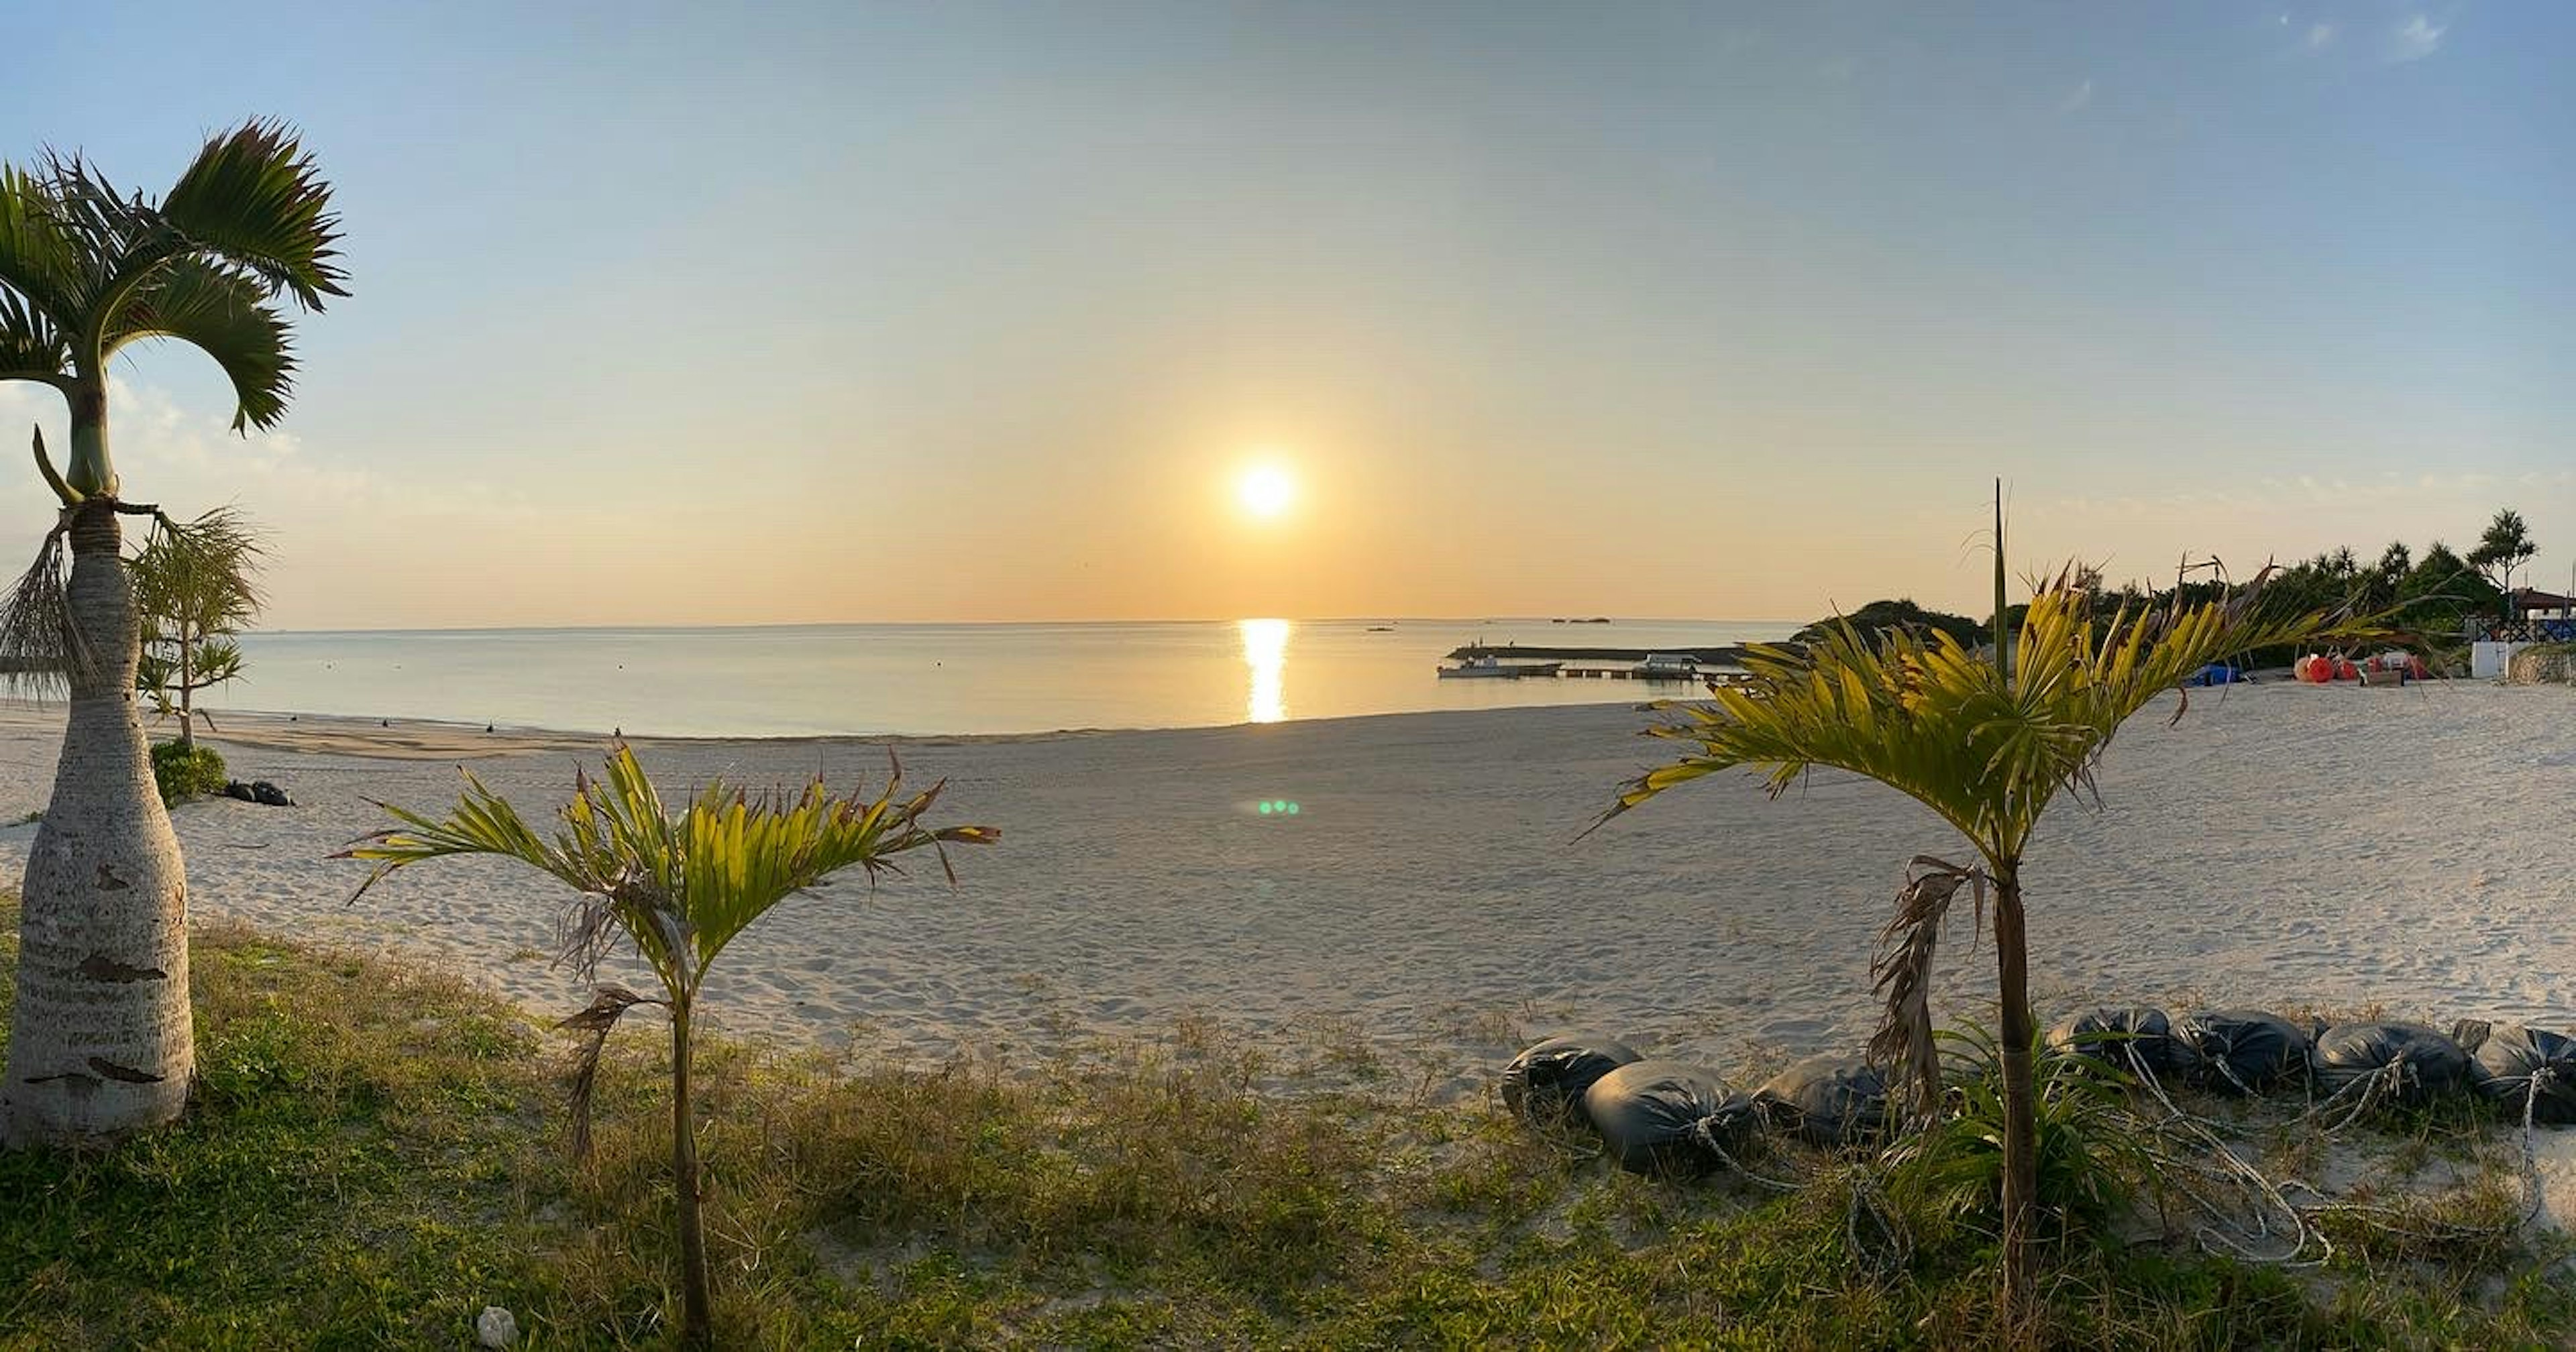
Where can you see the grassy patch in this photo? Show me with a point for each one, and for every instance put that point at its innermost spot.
(376, 1154)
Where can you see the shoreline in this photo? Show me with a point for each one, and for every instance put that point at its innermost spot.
(409, 739)
(1432, 900)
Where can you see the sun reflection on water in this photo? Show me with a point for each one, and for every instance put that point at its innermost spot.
(1265, 652)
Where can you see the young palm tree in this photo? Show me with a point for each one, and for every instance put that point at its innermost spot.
(101, 1041)
(678, 889)
(195, 587)
(1987, 744)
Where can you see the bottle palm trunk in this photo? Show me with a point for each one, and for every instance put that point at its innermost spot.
(102, 1041)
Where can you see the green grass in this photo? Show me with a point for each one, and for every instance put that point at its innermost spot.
(376, 1154)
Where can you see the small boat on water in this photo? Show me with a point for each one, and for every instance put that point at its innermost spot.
(1668, 667)
(1493, 668)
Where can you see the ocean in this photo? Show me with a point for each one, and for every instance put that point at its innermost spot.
(925, 679)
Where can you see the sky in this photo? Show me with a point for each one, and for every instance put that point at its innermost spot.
(696, 314)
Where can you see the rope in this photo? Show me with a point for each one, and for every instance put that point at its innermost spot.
(1869, 1202)
(2268, 1199)
(1706, 1134)
(2379, 1216)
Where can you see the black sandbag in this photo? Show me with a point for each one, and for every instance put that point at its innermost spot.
(2348, 1053)
(237, 789)
(2245, 1050)
(1546, 1082)
(2132, 1038)
(2511, 1055)
(1668, 1117)
(269, 794)
(1827, 1100)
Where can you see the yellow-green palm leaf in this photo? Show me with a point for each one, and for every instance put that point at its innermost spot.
(678, 887)
(1986, 748)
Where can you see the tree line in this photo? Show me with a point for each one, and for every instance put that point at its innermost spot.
(2437, 594)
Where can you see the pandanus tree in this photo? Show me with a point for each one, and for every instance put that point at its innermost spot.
(1988, 740)
(100, 1041)
(677, 889)
(195, 588)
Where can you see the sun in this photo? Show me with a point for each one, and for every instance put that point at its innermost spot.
(1265, 490)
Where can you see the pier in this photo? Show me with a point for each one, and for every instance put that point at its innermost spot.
(1724, 655)
(1611, 664)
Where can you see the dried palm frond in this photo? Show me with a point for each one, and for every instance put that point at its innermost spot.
(41, 650)
(1902, 973)
(608, 1004)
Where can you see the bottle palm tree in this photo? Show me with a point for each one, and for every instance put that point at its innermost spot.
(101, 1041)
(1988, 742)
(678, 889)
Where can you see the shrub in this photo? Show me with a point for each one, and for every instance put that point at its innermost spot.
(184, 771)
(2091, 1152)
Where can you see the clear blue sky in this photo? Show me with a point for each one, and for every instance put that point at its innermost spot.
(974, 311)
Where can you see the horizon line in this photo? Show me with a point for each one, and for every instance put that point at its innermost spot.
(997, 624)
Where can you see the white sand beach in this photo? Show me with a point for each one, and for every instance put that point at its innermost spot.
(2284, 846)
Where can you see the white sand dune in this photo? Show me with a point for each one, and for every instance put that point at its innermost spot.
(2283, 846)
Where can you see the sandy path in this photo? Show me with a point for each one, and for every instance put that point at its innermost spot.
(2285, 845)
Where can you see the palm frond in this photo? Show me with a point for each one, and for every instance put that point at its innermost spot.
(40, 261)
(115, 240)
(255, 197)
(741, 857)
(1986, 750)
(224, 312)
(31, 347)
(678, 887)
(482, 823)
(41, 650)
(596, 1020)
(1904, 1040)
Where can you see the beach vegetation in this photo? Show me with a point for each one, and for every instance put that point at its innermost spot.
(2504, 548)
(196, 587)
(90, 272)
(1896, 613)
(676, 889)
(376, 1156)
(1988, 743)
(182, 771)
(2088, 1150)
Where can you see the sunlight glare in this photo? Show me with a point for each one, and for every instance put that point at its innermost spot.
(1265, 652)
(1266, 490)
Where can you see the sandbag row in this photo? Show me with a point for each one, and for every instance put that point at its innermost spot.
(2245, 1051)
(1666, 1116)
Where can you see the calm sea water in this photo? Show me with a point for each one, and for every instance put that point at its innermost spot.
(925, 678)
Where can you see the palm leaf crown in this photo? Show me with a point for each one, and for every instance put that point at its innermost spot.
(679, 887)
(1985, 744)
(86, 270)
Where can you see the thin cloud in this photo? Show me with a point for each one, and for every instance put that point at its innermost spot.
(2417, 38)
(2076, 99)
(2320, 36)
